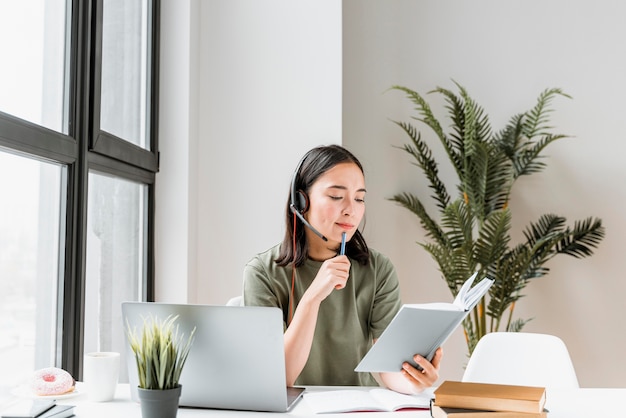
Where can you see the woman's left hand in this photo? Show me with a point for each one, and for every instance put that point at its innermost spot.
(422, 379)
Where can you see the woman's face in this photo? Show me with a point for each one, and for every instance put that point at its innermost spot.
(336, 205)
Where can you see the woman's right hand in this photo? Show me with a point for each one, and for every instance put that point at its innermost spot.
(332, 275)
(299, 334)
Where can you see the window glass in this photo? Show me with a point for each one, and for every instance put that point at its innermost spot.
(33, 41)
(116, 259)
(30, 221)
(125, 74)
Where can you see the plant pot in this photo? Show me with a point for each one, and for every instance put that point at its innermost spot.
(156, 403)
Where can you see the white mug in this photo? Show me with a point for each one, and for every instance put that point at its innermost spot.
(100, 373)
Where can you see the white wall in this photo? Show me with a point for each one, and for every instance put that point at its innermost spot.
(270, 89)
(505, 53)
(176, 197)
(247, 87)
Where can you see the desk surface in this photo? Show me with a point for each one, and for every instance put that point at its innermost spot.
(570, 403)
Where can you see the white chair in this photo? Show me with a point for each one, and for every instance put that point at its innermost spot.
(235, 301)
(518, 358)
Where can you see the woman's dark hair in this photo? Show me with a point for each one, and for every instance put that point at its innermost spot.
(315, 163)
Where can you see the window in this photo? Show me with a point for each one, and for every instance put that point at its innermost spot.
(125, 82)
(78, 156)
(33, 38)
(116, 239)
(30, 234)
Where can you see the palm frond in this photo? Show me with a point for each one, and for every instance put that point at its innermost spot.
(423, 158)
(424, 110)
(475, 184)
(499, 180)
(455, 146)
(508, 139)
(413, 203)
(536, 122)
(428, 118)
(493, 240)
(517, 325)
(547, 225)
(529, 160)
(477, 128)
(458, 224)
(579, 242)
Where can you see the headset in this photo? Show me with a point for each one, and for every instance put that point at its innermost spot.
(300, 201)
(299, 204)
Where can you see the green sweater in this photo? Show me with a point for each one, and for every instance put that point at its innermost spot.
(348, 320)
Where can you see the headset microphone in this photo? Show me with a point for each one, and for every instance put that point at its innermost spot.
(304, 221)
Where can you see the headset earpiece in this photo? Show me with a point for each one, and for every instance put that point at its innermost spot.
(302, 201)
(299, 201)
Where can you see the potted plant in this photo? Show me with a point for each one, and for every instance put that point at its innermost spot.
(472, 232)
(160, 353)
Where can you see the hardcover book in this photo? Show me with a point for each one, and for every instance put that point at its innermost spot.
(488, 396)
(445, 412)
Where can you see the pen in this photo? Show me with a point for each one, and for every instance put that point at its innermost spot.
(342, 251)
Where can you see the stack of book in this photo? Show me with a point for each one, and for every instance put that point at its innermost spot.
(37, 408)
(485, 400)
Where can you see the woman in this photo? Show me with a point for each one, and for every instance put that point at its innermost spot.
(334, 306)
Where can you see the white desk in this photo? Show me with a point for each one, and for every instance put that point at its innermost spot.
(573, 403)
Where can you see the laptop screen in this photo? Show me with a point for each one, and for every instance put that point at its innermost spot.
(237, 359)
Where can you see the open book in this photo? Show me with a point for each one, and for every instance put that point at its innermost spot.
(421, 329)
(353, 400)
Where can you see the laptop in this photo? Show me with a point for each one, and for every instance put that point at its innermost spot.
(237, 360)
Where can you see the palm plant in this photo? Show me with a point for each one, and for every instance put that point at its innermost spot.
(473, 233)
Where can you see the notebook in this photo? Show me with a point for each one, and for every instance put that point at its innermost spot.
(237, 360)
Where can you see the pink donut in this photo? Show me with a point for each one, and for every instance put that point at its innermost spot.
(52, 381)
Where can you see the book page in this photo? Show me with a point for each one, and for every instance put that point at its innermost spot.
(439, 306)
(350, 400)
(395, 400)
(468, 296)
(475, 293)
(461, 297)
(341, 401)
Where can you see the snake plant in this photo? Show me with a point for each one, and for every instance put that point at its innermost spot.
(160, 352)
